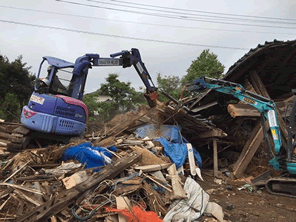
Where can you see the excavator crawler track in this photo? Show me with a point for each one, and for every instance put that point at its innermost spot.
(282, 186)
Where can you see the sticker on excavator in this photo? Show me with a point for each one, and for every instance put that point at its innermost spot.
(108, 62)
(37, 99)
(139, 67)
(271, 118)
(274, 135)
(250, 101)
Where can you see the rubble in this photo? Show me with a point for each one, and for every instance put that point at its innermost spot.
(85, 181)
(147, 165)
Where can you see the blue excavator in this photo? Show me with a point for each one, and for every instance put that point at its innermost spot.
(55, 109)
(283, 158)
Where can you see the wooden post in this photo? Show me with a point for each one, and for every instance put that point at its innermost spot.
(249, 150)
(260, 89)
(215, 152)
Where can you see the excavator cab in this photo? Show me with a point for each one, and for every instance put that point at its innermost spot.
(52, 108)
(55, 79)
(55, 108)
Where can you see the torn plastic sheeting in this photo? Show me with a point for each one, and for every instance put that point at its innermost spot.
(165, 131)
(174, 145)
(189, 209)
(65, 168)
(89, 155)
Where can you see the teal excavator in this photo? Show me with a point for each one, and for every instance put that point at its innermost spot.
(283, 158)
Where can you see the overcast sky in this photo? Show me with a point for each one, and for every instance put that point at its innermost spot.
(215, 32)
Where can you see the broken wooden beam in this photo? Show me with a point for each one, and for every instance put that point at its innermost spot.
(261, 90)
(178, 191)
(5, 136)
(57, 203)
(215, 157)
(236, 110)
(246, 110)
(249, 150)
(154, 167)
(200, 108)
(212, 133)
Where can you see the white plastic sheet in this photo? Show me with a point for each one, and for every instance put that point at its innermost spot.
(189, 209)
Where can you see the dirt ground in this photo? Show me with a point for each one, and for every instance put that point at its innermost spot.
(244, 205)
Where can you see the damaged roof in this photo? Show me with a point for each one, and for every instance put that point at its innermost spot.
(275, 64)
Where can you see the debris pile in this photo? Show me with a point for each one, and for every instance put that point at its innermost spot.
(150, 165)
(129, 170)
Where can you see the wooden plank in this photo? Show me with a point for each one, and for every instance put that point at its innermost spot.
(260, 89)
(158, 183)
(212, 133)
(178, 191)
(122, 203)
(3, 144)
(37, 187)
(200, 108)
(241, 109)
(148, 158)
(5, 136)
(21, 188)
(75, 179)
(215, 157)
(247, 144)
(27, 198)
(236, 110)
(249, 150)
(126, 189)
(155, 167)
(65, 198)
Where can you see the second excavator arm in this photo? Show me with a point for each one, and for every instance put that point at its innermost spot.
(265, 106)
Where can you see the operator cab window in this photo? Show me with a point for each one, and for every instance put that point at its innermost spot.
(58, 84)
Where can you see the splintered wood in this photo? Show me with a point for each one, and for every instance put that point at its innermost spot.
(179, 193)
(68, 197)
(148, 158)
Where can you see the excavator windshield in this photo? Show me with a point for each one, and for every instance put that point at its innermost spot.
(55, 77)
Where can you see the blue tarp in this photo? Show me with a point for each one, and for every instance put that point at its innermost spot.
(89, 155)
(175, 145)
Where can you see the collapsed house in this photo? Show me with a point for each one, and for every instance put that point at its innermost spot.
(138, 176)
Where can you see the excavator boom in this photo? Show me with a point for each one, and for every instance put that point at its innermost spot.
(283, 185)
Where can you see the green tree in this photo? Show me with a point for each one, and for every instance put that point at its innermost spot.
(207, 64)
(92, 105)
(10, 109)
(169, 84)
(123, 98)
(16, 84)
(122, 93)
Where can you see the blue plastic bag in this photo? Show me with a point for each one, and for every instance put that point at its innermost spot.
(89, 155)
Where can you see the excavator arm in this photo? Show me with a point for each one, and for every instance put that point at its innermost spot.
(265, 106)
(127, 59)
(284, 185)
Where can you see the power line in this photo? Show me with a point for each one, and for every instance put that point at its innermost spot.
(205, 12)
(189, 15)
(141, 23)
(173, 17)
(123, 37)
